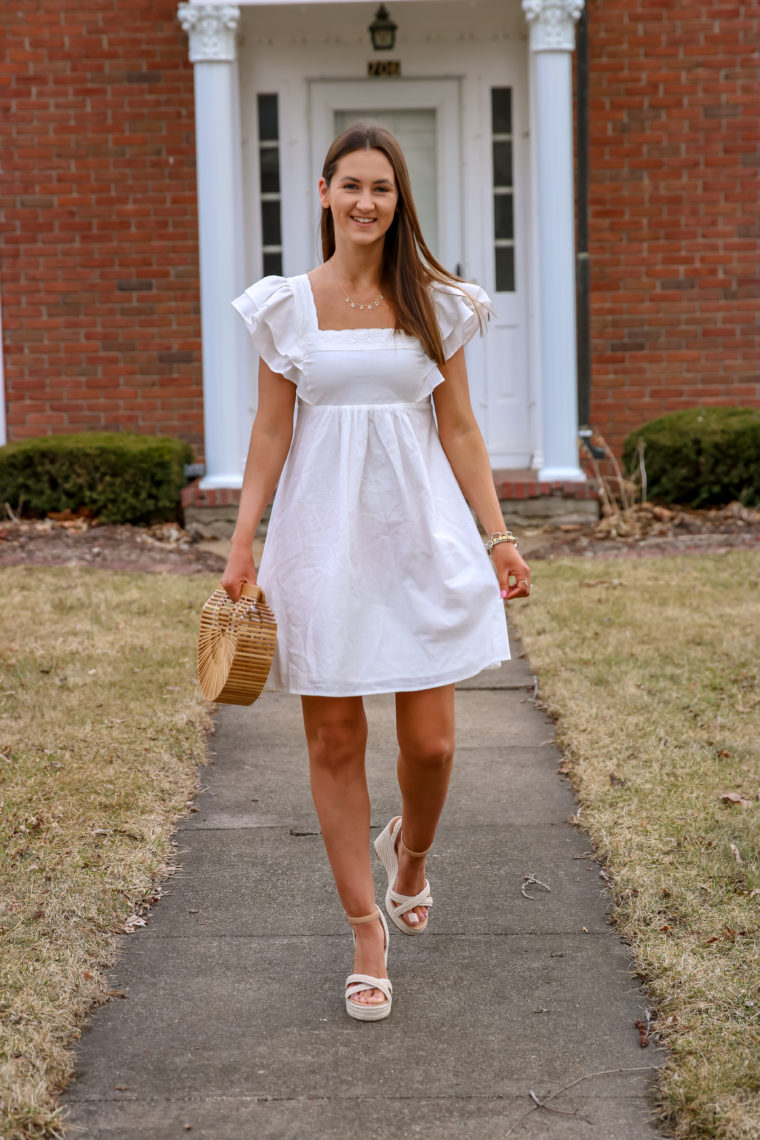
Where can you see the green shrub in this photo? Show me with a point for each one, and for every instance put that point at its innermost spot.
(700, 457)
(119, 476)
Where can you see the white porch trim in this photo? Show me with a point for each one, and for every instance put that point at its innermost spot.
(211, 29)
(225, 353)
(301, 3)
(552, 40)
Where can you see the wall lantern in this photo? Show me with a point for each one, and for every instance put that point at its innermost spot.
(383, 30)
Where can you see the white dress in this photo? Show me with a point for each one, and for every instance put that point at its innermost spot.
(373, 564)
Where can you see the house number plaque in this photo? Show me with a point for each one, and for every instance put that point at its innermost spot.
(384, 67)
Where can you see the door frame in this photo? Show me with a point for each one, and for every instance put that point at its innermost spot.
(366, 95)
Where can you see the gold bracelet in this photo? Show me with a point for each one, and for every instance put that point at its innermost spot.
(499, 536)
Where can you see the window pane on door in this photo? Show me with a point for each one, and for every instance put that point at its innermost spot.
(503, 188)
(416, 134)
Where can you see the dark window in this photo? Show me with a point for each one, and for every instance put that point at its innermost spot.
(272, 265)
(270, 223)
(505, 268)
(269, 185)
(502, 163)
(268, 125)
(502, 217)
(270, 169)
(503, 196)
(501, 110)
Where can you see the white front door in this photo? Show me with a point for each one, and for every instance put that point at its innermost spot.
(424, 117)
(446, 169)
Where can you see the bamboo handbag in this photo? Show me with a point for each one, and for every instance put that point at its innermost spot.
(236, 645)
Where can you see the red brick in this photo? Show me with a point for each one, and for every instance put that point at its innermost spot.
(685, 91)
(86, 216)
(89, 200)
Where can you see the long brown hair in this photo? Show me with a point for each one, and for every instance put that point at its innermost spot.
(408, 268)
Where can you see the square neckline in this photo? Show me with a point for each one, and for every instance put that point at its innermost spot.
(319, 329)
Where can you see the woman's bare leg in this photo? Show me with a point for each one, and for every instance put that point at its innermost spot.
(336, 733)
(426, 735)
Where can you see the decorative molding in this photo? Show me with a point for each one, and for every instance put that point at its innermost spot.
(552, 23)
(211, 28)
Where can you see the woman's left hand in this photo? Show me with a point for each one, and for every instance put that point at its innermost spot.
(509, 565)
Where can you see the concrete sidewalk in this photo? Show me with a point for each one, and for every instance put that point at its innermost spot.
(234, 1025)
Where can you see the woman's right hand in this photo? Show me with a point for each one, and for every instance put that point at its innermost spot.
(240, 568)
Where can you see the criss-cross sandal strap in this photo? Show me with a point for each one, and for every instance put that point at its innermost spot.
(357, 983)
(405, 903)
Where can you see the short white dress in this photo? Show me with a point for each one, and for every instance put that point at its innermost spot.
(372, 563)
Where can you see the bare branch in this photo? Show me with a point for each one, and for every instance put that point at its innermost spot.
(585, 1077)
(559, 1111)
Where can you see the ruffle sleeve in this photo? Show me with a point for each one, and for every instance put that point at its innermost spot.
(271, 316)
(457, 309)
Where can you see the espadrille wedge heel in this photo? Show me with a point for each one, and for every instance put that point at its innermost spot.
(397, 904)
(355, 983)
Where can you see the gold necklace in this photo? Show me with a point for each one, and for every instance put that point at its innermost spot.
(372, 304)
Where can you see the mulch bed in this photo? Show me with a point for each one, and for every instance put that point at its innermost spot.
(646, 530)
(164, 548)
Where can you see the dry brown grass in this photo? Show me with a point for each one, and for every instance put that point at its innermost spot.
(651, 668)
(101, 731)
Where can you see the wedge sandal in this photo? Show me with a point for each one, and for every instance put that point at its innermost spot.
(356, 983)
(396, 904)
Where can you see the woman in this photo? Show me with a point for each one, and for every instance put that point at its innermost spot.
(373, 564)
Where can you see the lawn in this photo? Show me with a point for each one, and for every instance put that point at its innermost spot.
(651, 669)
(102, 729)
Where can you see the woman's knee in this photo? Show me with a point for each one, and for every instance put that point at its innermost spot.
(337, 742)
(433, 752)
(425, 727)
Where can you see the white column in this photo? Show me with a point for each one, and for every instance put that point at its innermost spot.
(211, 29)
(552, 40)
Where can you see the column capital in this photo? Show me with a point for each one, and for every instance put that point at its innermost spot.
(211, 28)
(552, 23)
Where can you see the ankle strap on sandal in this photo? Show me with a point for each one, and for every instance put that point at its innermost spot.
(414, 854)
(363, 918)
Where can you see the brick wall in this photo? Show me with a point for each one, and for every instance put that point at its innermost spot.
(674, 216)
(100, 251)
(97, 193)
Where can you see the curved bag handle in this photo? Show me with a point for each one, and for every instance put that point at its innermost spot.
(253, 592)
